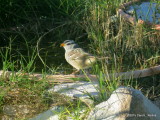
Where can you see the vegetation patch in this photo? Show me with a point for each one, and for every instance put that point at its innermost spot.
(30, 36)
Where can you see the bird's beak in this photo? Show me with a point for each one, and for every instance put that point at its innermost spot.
(62, 45)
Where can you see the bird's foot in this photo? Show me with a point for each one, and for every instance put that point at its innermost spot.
(75, 72)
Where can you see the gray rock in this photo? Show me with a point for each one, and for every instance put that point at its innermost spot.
(15, 110)
(157, 102)
(125, 104)
(81, 90)
(9, 110)
(52, 114)
(12, 111)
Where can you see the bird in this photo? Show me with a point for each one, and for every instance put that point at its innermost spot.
(76, 56)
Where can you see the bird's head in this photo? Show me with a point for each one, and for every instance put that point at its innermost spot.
(69, 45)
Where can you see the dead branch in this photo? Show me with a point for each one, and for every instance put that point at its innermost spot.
(71, 78)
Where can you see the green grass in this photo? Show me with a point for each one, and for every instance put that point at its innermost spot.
(76, 110)
(30, 35)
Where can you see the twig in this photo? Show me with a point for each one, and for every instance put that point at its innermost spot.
(69, 78)
(39, 40)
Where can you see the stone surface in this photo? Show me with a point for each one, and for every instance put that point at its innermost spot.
(55, 113)
(9, 110)
(52, 114)
(157, 102)
(125, 104)
(6, 117)
(12, 111)
(81, 90)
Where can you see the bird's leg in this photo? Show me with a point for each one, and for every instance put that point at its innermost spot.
(86, 71)
(75, 72)
(81, 72)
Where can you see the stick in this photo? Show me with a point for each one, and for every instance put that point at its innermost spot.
(70, 78)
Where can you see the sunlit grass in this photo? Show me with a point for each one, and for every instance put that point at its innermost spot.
(31, 32)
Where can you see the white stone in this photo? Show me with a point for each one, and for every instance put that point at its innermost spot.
(125, 104)
(81, 90)
(52, 114)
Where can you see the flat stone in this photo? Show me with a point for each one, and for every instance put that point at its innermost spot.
(51, 114)
(81, 90)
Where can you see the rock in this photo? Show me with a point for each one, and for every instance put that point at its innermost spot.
(6, 117)
(81, 90)
(51, 114)
(125, 104)
(56, 113)
(13, 110)
(9, 110)
(157, 102)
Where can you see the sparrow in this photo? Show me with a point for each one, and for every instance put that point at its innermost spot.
(76, 56)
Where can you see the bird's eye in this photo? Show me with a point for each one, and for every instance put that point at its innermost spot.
(69, 43)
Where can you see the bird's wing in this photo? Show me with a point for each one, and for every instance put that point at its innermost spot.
(78, 53)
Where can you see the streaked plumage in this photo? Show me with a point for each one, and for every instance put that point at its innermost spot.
(76, 56)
